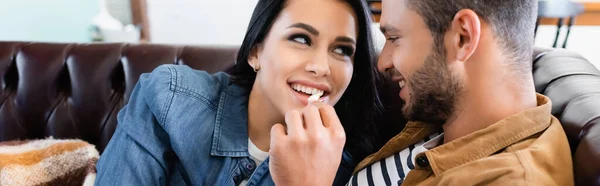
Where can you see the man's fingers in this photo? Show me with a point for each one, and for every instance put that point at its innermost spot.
(331, 121)
(312, 119)
(278, 131)
(294, 123)
(328, 115)
(277, 134)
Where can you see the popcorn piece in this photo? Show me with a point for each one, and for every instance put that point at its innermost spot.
(314, 97)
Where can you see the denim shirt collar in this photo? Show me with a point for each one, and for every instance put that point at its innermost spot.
(230, 136)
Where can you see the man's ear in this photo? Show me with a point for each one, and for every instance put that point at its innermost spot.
(466, 32)
(254, 56)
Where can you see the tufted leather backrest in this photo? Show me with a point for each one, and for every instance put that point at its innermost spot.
(573, 85)
(76, 91)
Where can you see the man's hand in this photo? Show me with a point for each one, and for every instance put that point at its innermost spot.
(309, 153)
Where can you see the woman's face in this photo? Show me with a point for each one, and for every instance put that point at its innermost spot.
(309, 49)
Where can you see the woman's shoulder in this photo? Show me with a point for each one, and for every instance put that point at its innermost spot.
(183, 79)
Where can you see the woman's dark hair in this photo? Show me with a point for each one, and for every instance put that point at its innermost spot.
(358, 105)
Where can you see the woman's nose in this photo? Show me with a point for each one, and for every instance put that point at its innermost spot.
(319, 65)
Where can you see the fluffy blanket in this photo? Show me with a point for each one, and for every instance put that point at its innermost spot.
(47, 162)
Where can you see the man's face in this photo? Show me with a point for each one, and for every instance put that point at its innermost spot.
(428, 87)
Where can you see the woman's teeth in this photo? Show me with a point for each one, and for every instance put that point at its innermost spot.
(307, 90)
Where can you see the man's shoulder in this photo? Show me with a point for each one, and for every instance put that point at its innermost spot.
(541, 159)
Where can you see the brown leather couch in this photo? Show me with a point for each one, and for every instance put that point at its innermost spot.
(76, 90)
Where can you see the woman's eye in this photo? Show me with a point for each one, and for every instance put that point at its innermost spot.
(393, 39)
(345, 51)
(302, 39)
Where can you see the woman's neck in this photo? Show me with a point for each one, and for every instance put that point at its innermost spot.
(262, 115)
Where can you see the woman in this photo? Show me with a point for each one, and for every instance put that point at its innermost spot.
(183, 126)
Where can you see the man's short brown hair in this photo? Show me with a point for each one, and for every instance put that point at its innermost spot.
(512, 22)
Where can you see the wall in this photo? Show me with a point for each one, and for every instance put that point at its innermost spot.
(47, 20)
(222, 22)
(201, 22)
(583, 39)
(120, 10)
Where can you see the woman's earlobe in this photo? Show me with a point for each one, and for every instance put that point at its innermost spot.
(253, 59)
(256, 67)
(253, 62)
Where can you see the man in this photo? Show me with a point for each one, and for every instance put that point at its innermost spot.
(464, 68)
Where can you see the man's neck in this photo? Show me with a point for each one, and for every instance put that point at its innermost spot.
(477, 109)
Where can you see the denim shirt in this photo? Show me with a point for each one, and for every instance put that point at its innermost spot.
(185, 127)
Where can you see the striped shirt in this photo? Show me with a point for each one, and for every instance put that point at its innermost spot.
(392, 170)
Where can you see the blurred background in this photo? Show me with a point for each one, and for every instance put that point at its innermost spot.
(223, 22)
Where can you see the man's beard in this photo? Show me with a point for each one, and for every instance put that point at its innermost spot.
(434, 91)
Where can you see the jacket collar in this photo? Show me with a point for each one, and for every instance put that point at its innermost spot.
(492, 139)
(230, 136)
(497, 136)
(412, 133)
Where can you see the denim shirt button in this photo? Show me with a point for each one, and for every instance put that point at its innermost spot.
(250, 166)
